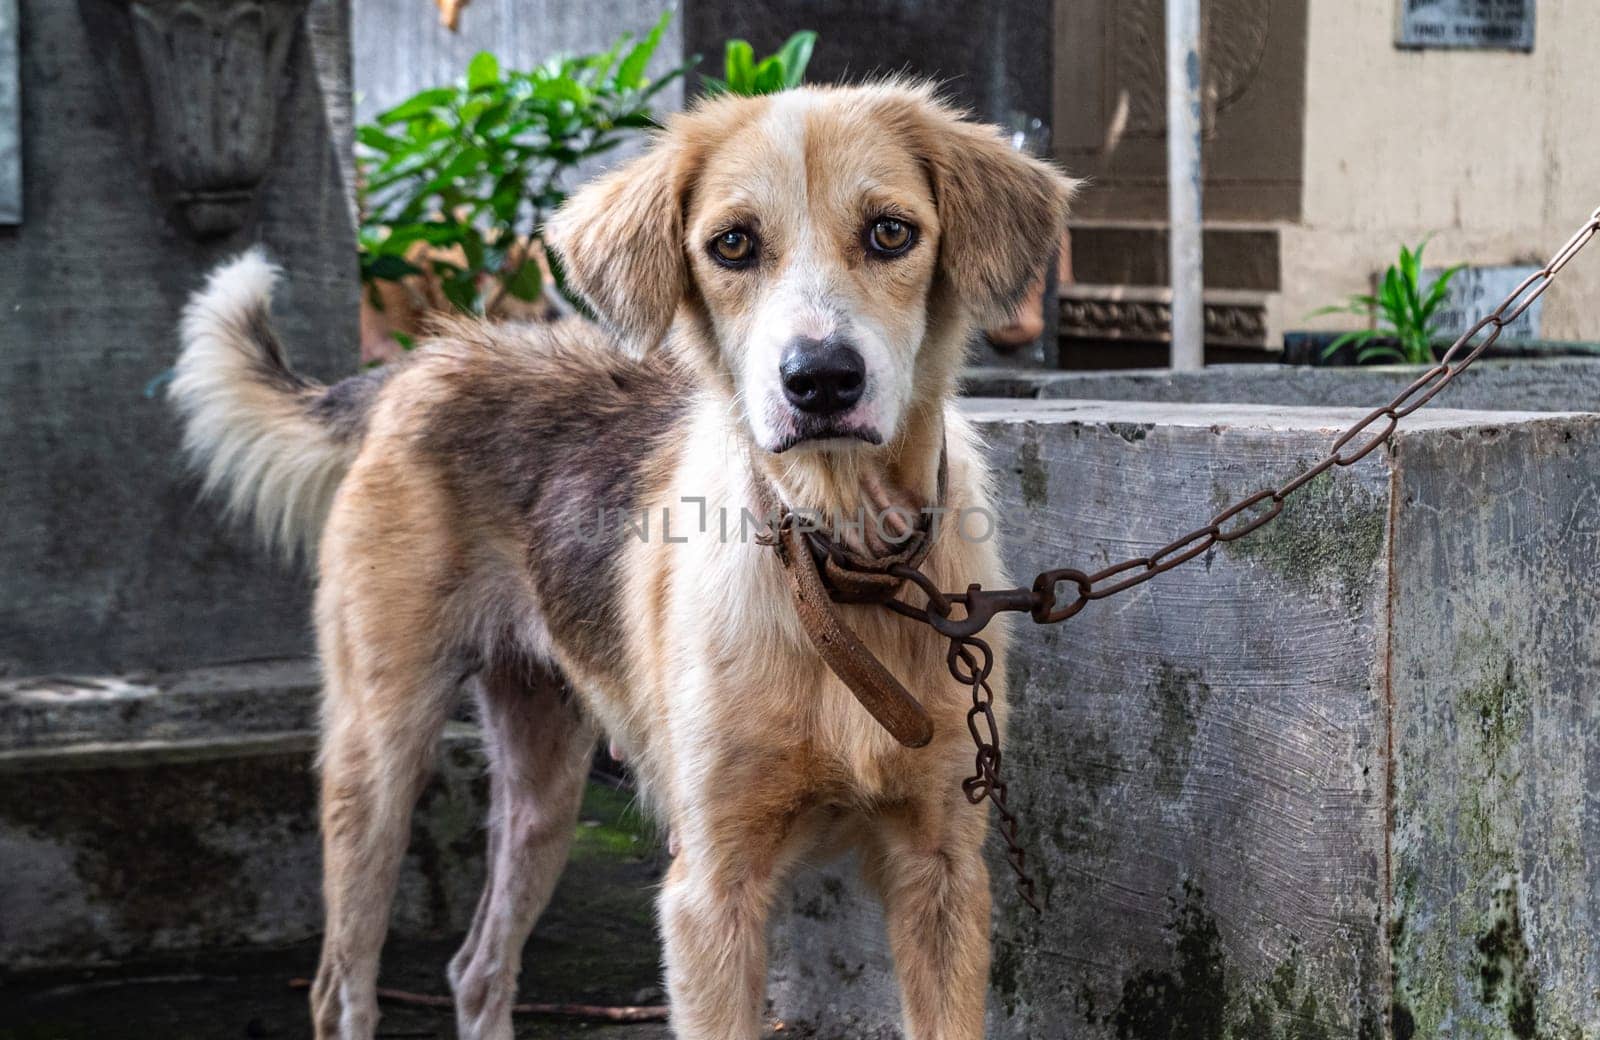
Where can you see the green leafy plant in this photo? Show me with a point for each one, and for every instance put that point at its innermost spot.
(1406, 327)
(473, 170)
(742, 74)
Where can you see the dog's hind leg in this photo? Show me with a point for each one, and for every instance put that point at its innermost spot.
(383, 716)
(539, 752)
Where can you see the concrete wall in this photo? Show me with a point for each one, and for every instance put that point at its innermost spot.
(106, 560)
(1328, 781)
(1492, 151)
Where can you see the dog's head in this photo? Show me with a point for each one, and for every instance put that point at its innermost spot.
(828, 250)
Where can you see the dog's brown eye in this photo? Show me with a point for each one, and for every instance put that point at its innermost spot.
(734, 248)
(890, 237)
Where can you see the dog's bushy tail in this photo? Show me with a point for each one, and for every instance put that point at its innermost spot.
(257, 431)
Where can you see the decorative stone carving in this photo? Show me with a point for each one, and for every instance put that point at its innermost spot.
(1144, 315)
(211, 73)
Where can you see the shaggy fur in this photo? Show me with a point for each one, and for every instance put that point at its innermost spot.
(461, 502)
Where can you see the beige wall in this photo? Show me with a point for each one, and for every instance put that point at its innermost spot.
(1496, 154)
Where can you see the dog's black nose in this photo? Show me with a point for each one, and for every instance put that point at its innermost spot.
(822, 376)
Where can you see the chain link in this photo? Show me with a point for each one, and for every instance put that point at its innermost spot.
(970, 659)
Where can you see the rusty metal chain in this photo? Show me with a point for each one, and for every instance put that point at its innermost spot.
(970, 659)
(976, 661)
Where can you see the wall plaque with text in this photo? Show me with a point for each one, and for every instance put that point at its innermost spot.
(1474, 294)
(1470, 24)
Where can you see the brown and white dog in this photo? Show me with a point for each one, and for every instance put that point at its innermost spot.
(788, 283)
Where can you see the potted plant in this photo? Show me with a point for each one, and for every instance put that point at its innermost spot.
(1406, 330)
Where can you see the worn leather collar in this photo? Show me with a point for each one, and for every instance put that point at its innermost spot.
(823, 573)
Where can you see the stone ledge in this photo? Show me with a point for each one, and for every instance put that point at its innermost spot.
(258, 696)
(1535, 384)
(135, 753)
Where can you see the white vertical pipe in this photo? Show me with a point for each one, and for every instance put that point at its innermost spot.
(1183, 180)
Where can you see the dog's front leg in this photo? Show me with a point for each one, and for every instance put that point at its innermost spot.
(714, 908)
(935, 891)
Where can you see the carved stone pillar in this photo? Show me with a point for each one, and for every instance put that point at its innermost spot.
(210, 73)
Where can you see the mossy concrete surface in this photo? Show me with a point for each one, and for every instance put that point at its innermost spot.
(146, 815)
(1495, 929)
(115, 850)
(1334, 780)
(596, 944)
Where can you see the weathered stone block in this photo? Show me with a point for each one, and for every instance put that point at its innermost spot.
(1332, 780)
(183, 816)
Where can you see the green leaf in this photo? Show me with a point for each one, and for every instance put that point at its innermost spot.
(568, 90)
(417, 105)
(1441, 288)
(631, 72)
(769, 77)
(389, 269)
(483, 71)
(1359, 336)
(472, 248)
(1367, 355)
(1392, 299)
(795, 55)
(436, 233)
(460, 288)
(739, 62)
(1410, 283)
(601, 64)
(527, 283)
(377, 140)
(492, 115)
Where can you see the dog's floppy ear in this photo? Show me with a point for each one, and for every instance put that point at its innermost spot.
(620, 239)
(1002, 212)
